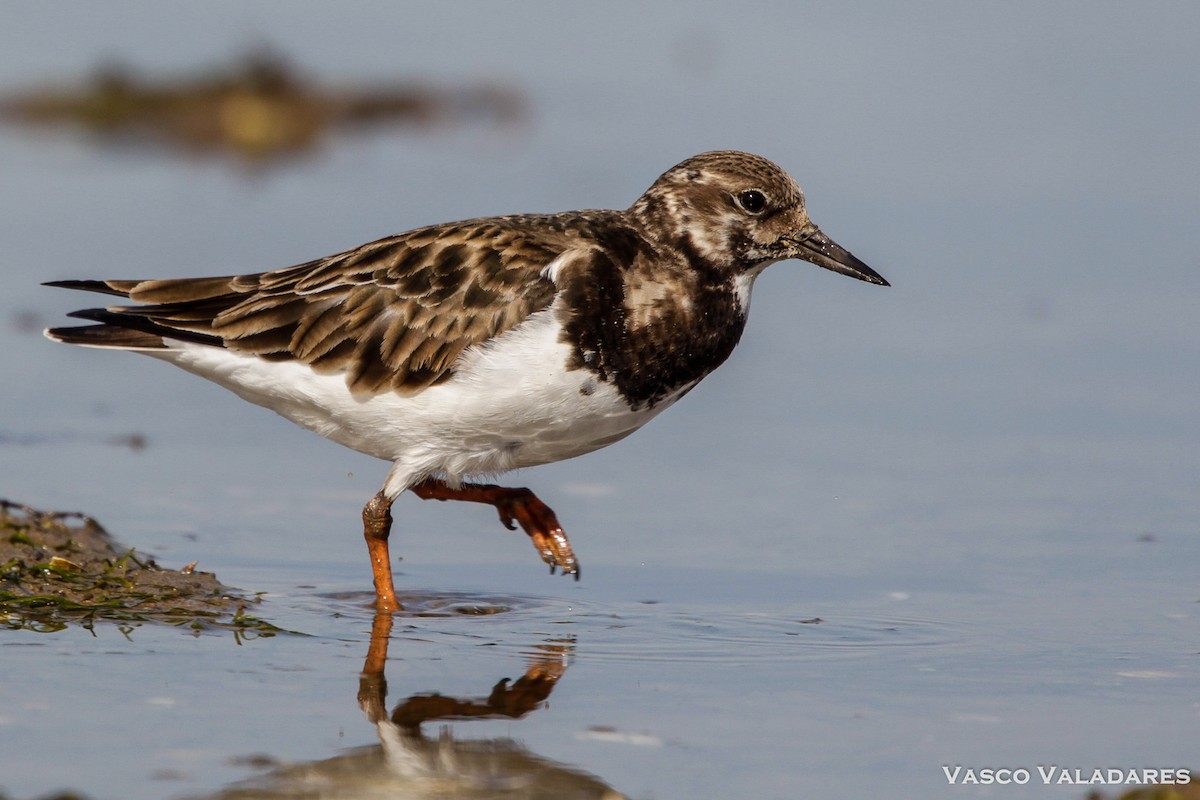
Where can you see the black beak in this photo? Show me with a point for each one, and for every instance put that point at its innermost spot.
(817, 248)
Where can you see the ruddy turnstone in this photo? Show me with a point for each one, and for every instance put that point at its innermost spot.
(473, 348)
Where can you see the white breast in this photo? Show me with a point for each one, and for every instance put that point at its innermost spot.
(511, 403)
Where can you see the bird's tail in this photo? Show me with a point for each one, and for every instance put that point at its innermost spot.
(122, 328)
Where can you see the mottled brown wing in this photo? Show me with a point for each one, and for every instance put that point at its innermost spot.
(393, 315)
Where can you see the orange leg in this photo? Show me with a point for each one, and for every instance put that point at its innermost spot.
(377, 525)
(521, 505)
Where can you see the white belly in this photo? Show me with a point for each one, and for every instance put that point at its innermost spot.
(510, 404)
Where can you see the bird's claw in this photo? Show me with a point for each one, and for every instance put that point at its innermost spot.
(556, 551)
(539, 522)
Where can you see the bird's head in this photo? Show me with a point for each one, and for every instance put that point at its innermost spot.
(739, 212)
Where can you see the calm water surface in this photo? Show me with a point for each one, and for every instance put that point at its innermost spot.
(953, 522)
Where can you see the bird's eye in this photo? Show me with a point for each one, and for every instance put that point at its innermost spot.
(752, 201)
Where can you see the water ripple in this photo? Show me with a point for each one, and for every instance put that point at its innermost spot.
(655, 632)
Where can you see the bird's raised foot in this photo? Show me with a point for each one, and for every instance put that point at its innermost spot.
(515, 507)
(539, 522)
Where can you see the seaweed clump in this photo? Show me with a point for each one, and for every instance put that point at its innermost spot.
(59, 569)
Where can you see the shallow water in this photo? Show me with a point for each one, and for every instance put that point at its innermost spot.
(726, 679)
(953, 522)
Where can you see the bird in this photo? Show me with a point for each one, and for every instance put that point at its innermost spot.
(463, 350)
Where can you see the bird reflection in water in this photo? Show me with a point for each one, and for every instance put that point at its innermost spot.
(409, 764)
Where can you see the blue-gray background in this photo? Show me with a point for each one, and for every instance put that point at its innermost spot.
(1002, 448)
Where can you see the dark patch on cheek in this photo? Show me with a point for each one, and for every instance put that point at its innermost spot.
(588, 388)
(741, 243)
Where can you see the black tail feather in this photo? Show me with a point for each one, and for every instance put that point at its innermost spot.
(87, 286)
(134, 322)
